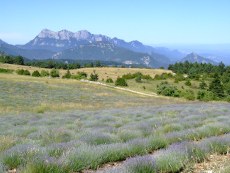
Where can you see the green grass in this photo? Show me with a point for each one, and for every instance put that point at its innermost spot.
(29, 94)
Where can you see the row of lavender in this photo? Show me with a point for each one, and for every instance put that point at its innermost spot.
(75, 141)
(176, 158)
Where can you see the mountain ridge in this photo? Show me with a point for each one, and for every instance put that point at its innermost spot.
(65, 44)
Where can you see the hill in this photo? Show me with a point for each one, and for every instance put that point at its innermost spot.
(193, 57)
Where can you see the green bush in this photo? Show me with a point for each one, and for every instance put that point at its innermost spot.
(26, 72)
(67, 75)
(13, 161)
(179, 77)
(54, 73)
(2, 70)
(163, 76)
(173, 163)
(138, 79)
(203, 85)
(45, 73)
(196, 154)
(188, 83)
(121, 82)
(188, 94)
(142, 167)
(109, 80)
(79, 76)
(206, 96)
(36, 74)
(22, 72)
(93, 77)
(167, 90)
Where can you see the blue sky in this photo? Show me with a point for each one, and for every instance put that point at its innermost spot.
(149, 21)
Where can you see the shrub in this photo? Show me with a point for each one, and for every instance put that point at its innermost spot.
(218, 147)
(36, 74)
(26, 72)
(45, 73)
(79, 75)
(136, 75)
(67, 75)
(188, 94)
(196, 154)
(179, 77)
(22, 72)
(109, 80)
(13, 161)
(93, 77)
(54, 73)
(203, 85)
(167, 90)
(171, 162)
(138, 79)
(188, 83)
(205, 96)
(142, 166)
(121, 82)
(128, 76)
(2, 70)
(163, 76)
(43, 167)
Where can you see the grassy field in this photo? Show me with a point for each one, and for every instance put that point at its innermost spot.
(103, 72)
(26, 93)
(65, 125)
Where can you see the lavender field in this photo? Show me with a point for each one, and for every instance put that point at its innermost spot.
(164, 138)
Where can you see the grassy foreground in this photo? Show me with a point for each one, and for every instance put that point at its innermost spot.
(79, 140)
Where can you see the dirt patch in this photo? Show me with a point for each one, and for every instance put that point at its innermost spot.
(214, 164)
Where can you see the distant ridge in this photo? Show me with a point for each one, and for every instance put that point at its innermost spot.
(80, 45)
(193, 57)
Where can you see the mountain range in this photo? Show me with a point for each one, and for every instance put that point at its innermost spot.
(83, 45)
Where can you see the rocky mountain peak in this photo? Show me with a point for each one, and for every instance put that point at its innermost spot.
(82, 35)
(46, 33)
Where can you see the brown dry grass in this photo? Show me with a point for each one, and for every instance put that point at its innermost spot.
(103, 72)
(214, 164)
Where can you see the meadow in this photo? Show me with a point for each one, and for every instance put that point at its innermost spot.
(65, 125)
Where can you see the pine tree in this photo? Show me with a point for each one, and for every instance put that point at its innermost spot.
(216, 87)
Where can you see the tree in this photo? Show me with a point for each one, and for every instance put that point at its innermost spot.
(19, 60)
(216, 87)
(98, 64)
(121, 82)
